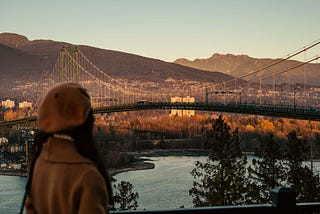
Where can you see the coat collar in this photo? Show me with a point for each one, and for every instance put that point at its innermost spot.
(61, 151)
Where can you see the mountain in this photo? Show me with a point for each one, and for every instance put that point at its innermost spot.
(13, 40)
(239, 65)
(115, 63)
(23, 61)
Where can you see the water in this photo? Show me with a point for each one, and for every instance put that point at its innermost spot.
(167, 185)
(164, 187)
(11, 193)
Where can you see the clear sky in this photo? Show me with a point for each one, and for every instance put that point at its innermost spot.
(169, 29)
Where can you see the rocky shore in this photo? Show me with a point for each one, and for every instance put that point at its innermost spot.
(140, 165)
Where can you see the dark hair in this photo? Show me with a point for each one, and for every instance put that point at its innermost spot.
(40, 138)
(84, 143)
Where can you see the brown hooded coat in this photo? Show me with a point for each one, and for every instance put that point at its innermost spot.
(66, 182)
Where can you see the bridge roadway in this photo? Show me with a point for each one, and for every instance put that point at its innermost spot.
(301, 113)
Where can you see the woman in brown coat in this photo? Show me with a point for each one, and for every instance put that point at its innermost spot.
(66, 174)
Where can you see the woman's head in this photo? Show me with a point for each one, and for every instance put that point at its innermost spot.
(64, 107)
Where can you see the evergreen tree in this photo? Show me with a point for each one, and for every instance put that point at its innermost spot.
(267, 170)
(124, 198)
(301, 178)
(223, 177)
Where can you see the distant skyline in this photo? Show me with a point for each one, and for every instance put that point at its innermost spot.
(169, 29)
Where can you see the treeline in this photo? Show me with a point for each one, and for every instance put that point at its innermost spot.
(136, 131)
(227, 178)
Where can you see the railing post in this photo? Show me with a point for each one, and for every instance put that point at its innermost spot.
(284, 200)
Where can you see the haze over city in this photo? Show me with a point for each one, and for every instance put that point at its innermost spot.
(168, 30)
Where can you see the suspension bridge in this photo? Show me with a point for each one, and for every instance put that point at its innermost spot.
(272, 90)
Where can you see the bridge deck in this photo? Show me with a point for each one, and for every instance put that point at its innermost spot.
(312, 114)
(301, 113)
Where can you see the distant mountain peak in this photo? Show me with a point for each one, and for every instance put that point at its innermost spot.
(13, 40)
(214, 57)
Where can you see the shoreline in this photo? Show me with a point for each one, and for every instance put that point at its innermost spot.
(14, 173)
(169, 152)
(141, 164)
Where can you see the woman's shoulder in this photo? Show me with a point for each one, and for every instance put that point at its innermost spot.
(91, 178)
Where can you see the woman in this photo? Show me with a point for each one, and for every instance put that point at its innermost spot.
(66, 174)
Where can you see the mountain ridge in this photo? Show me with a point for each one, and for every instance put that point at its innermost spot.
(33, 59)
(240, 65)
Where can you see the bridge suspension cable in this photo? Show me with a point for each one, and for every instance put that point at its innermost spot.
(291, 55)
(286, 70)
(78, 62)
(225, 84)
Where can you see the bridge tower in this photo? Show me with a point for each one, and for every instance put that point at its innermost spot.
(207, 95)
(69, 59)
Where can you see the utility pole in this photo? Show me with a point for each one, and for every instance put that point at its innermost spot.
(27, 151)
(311, 147)
(207, 93)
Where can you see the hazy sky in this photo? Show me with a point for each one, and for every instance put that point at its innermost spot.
(169, 29)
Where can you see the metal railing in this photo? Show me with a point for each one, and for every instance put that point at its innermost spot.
(283, 201)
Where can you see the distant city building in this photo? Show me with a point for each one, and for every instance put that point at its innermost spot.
(3, 140)
(182, 113)
(25, 104)
(7, 104)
